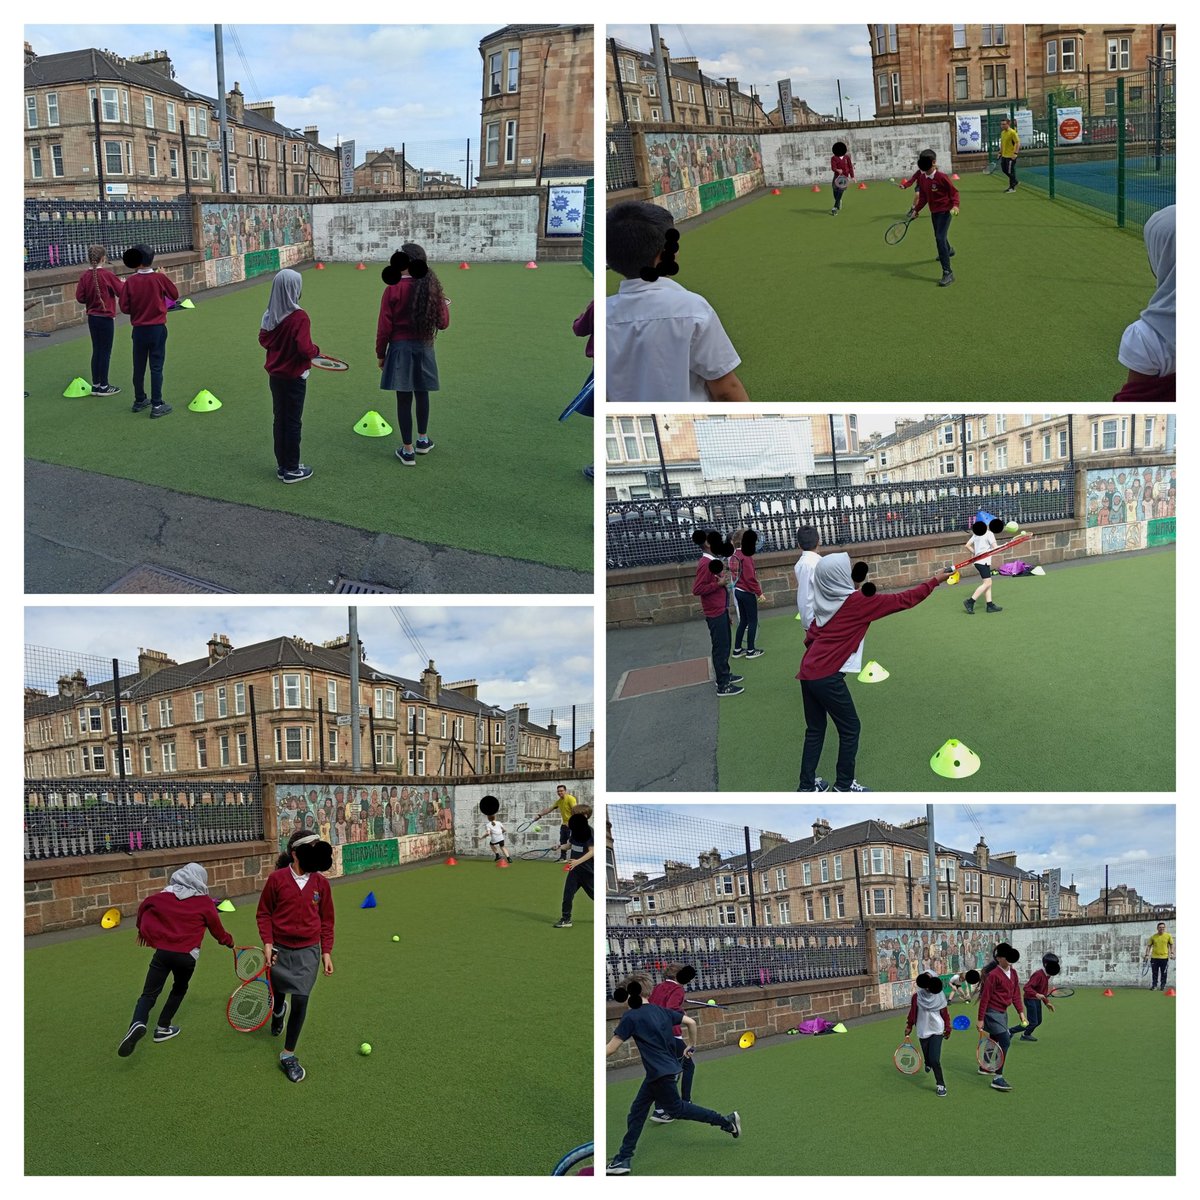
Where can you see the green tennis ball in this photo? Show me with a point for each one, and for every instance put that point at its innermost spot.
(712, 1002)
(365, 1048)
(395, 937)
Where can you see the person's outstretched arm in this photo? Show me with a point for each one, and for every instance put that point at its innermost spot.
(725, 389)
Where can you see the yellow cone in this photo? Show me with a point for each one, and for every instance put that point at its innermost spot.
(111, 919)
(746, 1040)
(953, 579)
(872, 673)
(799, 617)
(204, 401)
(840, 1028)
(186, 304)
(78, 387)
(371, 424)
(955, 761)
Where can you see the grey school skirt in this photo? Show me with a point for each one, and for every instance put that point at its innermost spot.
(410, 366)
(295, 969)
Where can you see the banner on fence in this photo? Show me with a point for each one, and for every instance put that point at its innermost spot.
(259, 262)
(1070, 126)
(370, 856)
(564, 211)
(512, 739)
(1025, 126)
(969, 134)
(1053, 879)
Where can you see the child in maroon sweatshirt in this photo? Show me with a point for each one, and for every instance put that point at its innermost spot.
(99, 289)
(1001, 987)
(746, 592)
(936, 190)
(841, 618)
(709, 585)
(145, 298)
(285, 334)
(1037, 994)
(929, 1011)
(173, 921)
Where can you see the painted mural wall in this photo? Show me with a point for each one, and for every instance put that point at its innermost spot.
(478, 229)
(800, 157)
(241, 241)
(690, 173)
(519, 803)
(903, 953)
(1130, 508)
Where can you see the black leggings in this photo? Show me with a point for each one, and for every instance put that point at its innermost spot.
(931, 1048)
(295, 1018)
(404, 401)
(164, 963)
(101, 329)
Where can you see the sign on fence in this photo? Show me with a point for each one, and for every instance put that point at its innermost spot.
(1070, 126)
(564, 211)
(259, 262)
(1025, 126)
(969, 134)
(785, 101)
(1053, 883)
(512, 739)
(348, 168)
(370, 856)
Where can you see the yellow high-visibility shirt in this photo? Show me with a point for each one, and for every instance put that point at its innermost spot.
(1160, 945)
(564, 804)
(1009, 142)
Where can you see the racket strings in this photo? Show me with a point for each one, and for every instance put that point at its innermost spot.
(250, 1005)
(249, 962)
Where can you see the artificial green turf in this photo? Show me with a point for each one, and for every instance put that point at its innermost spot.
(504, 477)
(1044, 692)
(836, 1105)
(478, 1019)
(821, 308)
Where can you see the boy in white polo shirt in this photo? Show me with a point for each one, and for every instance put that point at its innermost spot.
(664, 342)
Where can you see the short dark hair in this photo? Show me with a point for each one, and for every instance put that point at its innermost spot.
(926, 160)
(637, 235)
(839, 147)
(808, 537)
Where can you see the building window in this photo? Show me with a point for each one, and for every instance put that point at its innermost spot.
(841, 904)
(494, 67)
(143, 717)
(291, 691)
(491, 144)
(35, 162)
(995, 80)
(824, 870)
(149, 105)
(884, 91)
(1002, 458)
(239, 699)
(514, 69)
(331, 753)
(808, 908)
(201, 752)
(147, 760)
(222, 701)
(635, 108)
(242, 749)
(166, 713)
(1118, 54)
(960, 37)
(895, 87)
(199, 165)
(993, 35)
(198, 705)
(1047, 448)
(962, 86)
(288, 744)
(780, 878)
(113, 158)
(169, 762)
(510, 141)
(108, 104)
(152, 159)
(223, 749)
(173, 158)
(806, 874)
(880, 39)
(1168, 44)
(1068, 54)
(837, 866)
(1052, 57)
(825, 906)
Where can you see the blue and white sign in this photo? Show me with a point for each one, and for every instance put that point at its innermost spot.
(969, 134)
(1025, 126)
(564, 211)
(347, 164)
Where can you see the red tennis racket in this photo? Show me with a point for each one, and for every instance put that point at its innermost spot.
(327, 362)
(250, 1005)
(1025, 537)
(907, 1058)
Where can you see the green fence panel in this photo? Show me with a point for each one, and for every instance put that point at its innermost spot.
(589, 225)
(370, 856)
(720, 191)
(259, 262)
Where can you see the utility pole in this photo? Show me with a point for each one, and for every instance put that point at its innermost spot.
(660, 71)
(933, 910)
(222, 115)
(355, 734)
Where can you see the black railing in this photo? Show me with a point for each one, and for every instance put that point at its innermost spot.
(643, 532)
(59, 232)
(736, 957)
(65, 818)
(621, 166)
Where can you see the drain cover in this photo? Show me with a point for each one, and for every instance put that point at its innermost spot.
(357, 587)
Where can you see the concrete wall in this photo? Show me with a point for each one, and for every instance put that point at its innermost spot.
(1095, 952)
(800, 157)
(520, 799)
(493, 227)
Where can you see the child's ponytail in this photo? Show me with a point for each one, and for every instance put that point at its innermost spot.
(96, 255)
(428, 296)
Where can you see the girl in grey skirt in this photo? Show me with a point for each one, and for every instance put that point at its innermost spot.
(413, 309)
(295, 922)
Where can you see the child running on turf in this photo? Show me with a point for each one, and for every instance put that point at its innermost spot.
(286, 335)
(841, 617)
(145, 297)
(936, 190)
(709, 585)
(99, 289)
(930, 1013)
(295, 922)
(580, 867)
(652, 1029)
(495, 836)
(981, 540)
(664, 342)
(1037, 994)
(670, 994)
(173, 922)
(809, 539)
(841, 166)
(746, 593)
(413, 309)
(1001, 987)
(583, 326)
(962, 985)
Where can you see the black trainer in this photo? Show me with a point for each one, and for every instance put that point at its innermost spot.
(969, 605)
(160, 410)
(736, 1122)
(563, 923)
(291, 1067)
(140, 406)
(947, 279)
(277, 1020)
(104, 389)
(423, 445)
(164, 1033)
(137, 1031)
(618, 1166)
(730, 689)
(993, 608)
(299, 475)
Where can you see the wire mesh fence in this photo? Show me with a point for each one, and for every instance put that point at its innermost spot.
(620, 163)
(59, 232)
(442, 166)
(1122, 888)
(574, 726)
(66, 818)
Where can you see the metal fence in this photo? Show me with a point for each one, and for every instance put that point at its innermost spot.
(65, 818)
(643, 532)
(575, 725)
(59, 232)
(1146, 885)
(621, 166)
(737, 958)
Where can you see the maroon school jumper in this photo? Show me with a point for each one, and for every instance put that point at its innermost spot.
(745, 579)
(668, 994)
(291, 916)
(168, 923)
(1037, 984)
(100, 295)
(289, 346)
(999, 991)
(714, 600)
(582, 325)
(145, 297)
(936, 190)
(840, 164)
(395, 316)
(826, 647)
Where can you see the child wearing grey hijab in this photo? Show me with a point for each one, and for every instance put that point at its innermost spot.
(173, 922)
(1148, 345)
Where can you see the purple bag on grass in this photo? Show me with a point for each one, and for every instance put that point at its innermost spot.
(1016, 567)
(816, 1025)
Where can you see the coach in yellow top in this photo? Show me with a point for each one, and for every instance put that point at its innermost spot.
(1010, 144)
(1160, 949)
(566, 804)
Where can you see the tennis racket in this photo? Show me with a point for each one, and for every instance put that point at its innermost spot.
(894, 234)
(328, 363)
(530, 823)
(1061, 993)
(907, 1058)
(248, 962)
(1025, 537)
(576, 1162)
(704, 1003)
(989, 1055)
(250, 1005)
(543, 853)
(841, 182)
(1145, 967)
(992, 167)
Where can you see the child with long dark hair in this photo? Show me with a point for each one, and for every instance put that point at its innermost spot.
(286, 335)
(173, 922)
(99, 289)
(412, 312)
(295, 922)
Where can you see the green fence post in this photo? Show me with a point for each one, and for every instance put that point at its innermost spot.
(1121, 152)
(1053, 131)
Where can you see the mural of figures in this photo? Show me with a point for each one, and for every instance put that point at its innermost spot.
(1129, 508)
(684, 161)
(345, 815)
(903, 954)
(238, 229)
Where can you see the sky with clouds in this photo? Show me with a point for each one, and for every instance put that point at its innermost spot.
(1133, 839)
(540, 655)
(813, 57)
(379, 85)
